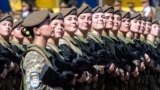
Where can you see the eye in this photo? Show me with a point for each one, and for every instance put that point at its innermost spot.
(107, 17)
(69, 18)
(10, 24)
(89, 18)
(149, 24)
(135, 21)
(117, 18)
(144, 23)
(96, 16)
(82, 17)
(128, 20)
(62, 25)
(103, 16)
(55, 23)
(123, 20)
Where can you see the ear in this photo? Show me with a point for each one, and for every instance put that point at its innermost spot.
(36, 31)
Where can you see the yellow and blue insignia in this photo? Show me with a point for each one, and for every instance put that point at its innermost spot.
(34, 80)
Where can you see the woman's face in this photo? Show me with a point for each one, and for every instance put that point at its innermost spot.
(116, 22)
(147, 28)
(108, 17)
(135, 25)
(58, 28)
(70, 23)
(5, 28)
(17, 32)
(142, 28)
(98, 21)
(84, 21)
(155, 30)
(125, 25)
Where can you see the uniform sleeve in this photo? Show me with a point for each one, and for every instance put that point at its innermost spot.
(33, 64)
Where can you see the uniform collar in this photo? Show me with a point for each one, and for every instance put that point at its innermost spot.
(96, 37)
(81, 38)
(5, 43)
(43, 49)
(70, 39)
(18, 45)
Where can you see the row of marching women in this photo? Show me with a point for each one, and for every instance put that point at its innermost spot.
(80, 49)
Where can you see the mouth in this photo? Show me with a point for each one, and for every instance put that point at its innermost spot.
(100, 23)
(73, 25)
(85, 24)
(110, 22)
(59, 33)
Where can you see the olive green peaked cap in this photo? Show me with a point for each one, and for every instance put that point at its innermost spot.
(69, 11)
(35, 18)
(108, 9)
(85, 8)
(97, 9)
(6, 18)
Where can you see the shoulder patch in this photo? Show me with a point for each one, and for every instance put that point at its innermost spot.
(34, 80)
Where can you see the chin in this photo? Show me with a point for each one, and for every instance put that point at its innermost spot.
(100, 27)
(114, 29)
(126, 30)
(20, 37)
(6, 34)
(86, 29)
(73, 30)
(110, 26)
(58, 37)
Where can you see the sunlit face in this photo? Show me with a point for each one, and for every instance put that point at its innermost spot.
(58, 28)
(108, 17)
(142, 28)
(5, 28)
(147, 28)
(155, 29)
(97, 21)
(125, 25)
(116, 22)
(135, 25)
(17, 32)
(84, 21)
(70, 23)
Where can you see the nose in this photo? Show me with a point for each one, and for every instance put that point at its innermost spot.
(86, 20)
(115, 21)
(60, 27)
(101, 19)
(127, 23)
(74, 21)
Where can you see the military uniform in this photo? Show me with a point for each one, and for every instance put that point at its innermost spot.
(36, 65)
(8, 80)
(59, 62)
(110, 80)
(71, 53)
(83, 45)
(18, 50)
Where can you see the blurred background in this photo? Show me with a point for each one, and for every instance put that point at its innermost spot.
(22, 8)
